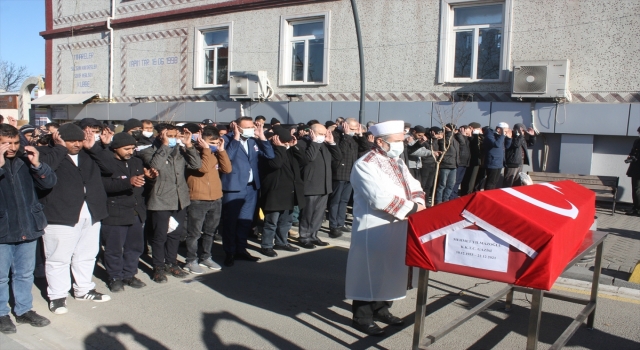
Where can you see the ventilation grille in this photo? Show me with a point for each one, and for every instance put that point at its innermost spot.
(530, 79)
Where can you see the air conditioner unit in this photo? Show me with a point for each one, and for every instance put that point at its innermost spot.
(252, 86)
(541, 79)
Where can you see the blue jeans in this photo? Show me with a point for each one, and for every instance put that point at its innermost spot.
(20, 258)
(456, 187)
(338, 200)
(446, 180)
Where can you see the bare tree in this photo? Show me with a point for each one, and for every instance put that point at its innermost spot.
(11, 76)
(444, 115)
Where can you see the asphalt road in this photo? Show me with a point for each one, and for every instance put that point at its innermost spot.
(296, 301)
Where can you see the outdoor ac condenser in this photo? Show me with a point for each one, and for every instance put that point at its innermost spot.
(541, 79)
(252, 86)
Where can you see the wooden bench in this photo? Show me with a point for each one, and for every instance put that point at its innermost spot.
(605, 187)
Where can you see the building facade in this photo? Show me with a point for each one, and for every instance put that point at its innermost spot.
(171, 59)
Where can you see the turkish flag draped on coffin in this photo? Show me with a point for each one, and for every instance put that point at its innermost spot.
(523, 235)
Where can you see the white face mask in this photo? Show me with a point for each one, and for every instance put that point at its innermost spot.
(147, 133)
(320, 139)
(351, 133)
(247, 133)
(476, 131)
(395, 149)
(96, 137)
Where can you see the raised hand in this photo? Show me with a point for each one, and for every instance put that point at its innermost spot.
(329, 137)
(276, 141)
(106, 136)
(33, 155)
(57, 139)
(202, 143)
(12, 121)
(236, 131)
(3, 149)
(221, 147)
(89, 139)
(260, 131)
(186, 138)
(312, 135)
(151, 173)
(164, 138)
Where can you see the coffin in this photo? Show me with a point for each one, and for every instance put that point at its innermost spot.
(524, 235)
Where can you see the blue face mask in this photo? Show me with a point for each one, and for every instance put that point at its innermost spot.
(194, 137)
(213, 149)
(172, 142)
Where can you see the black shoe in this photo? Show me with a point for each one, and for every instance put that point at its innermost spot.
(94, 295)
(6, 326)
(32, 318)
(246, 256)
(388, 319)
(320, 243)
(345, 229)
(175, 271)
(159, 275)
(307, 245)
(632, 212)
(134, 282)
(58, 306)
(335, 232)
(287, 247)
(268, 252)
(368, 328)
(295, 224)
(116, 285)
(229, 260)
(217, 237)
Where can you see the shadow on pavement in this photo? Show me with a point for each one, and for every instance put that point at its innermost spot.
(105, 337)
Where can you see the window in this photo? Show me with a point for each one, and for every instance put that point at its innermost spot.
(474, 46)
(212, 61)
(304, 50)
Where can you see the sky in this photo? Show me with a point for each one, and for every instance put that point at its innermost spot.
(20, 23)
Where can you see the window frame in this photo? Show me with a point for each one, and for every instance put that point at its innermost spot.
(198, 57)
(286, 35)
(446, 50)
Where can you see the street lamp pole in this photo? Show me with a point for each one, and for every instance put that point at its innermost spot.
(356, 19)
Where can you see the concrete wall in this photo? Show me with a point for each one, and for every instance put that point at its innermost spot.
(400, 38)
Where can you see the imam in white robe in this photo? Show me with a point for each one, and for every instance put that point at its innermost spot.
(384, 193)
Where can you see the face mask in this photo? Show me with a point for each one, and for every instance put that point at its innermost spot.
(320, 138)
(395, 149)
(213, 149)
(147, 133)
(136, 134)
(247, 133)
(172, 142)
(477, 132)
(96, 137)
(351, 133)
(194, 137)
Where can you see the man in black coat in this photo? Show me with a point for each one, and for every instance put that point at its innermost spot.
(516, 155)
(22, 222)
(450, 159)
(634, 173)
(341, 177)
(463, 137)
(282, 189)
(475, 171)
(121, 232)
(74, 208)
(319, 150)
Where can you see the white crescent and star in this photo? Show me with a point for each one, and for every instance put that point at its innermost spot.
(571, 213)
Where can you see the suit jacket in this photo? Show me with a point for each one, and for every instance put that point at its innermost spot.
(316, 174)
(124, 201)
(242, 162)
(282, 185)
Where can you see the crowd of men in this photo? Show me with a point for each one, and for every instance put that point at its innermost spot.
(75, 191)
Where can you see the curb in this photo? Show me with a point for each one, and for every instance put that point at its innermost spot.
(634, 293)
(635, 275)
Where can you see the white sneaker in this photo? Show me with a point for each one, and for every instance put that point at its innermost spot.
(210, 264)
(194, 268)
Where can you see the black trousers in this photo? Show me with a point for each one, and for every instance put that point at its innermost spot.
(635, 191)
(493, 176)
(165, 245)
(203, 219)
(469, 180)
(363, 311)
(311, 218)
(122, 248)
(427, 177)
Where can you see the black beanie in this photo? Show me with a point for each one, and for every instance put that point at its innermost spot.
(283, 134)
(132, 123)
(274, 121)
(71, 132)
(122, 139)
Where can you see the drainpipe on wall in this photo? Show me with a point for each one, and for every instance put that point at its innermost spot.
(356, 19)
(113, 12)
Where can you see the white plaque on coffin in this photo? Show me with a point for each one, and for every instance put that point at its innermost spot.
(476, 248)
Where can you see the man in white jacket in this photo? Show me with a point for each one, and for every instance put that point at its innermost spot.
(385, 193)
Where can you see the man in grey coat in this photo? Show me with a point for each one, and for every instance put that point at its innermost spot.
(170, 154)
